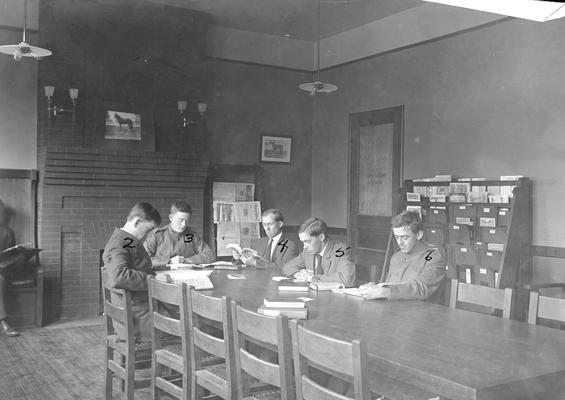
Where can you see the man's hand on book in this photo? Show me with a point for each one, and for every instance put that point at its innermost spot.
(304, 275)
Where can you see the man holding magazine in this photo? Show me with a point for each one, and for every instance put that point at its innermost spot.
(272, 251)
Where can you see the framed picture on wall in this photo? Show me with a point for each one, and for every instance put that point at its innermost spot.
(118, 126)
(276, 149)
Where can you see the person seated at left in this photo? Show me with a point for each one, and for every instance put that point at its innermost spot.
(177, 240)
(416, 271)
(323, 259)
(7, 240)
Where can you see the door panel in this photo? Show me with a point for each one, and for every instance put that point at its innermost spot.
(375, 163)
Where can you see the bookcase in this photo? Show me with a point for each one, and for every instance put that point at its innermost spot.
(484, 242)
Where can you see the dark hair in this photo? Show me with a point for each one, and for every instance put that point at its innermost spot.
(181, 206)
(276, 212)
(146, 212)
(408, 218)
(313, 227)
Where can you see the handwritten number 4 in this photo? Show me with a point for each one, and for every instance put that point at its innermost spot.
(283, 245)
(341, 251)
(428, 256)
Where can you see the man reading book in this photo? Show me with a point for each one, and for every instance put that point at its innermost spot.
(416, 271)
(178, 240)
(323, 259)
(128, 265)
(272, 251)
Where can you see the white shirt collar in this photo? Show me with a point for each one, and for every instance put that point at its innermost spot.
(324, 249)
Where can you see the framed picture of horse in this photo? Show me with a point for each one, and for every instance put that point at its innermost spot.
(122, 125)
(276, 149)
(119, 126)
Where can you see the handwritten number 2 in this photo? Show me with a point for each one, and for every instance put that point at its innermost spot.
(128, 244)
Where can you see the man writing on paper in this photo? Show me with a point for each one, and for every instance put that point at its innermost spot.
(416, 271)
(273, 251)
(128, 265)
(323, 259)
(177, 240)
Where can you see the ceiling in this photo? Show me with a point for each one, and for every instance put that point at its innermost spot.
(296, 18)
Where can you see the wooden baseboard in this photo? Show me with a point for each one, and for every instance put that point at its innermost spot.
(548, 251)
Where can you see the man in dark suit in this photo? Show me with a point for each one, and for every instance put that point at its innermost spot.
(128, 265)
(274, 250)
(323, 259)
(7, 239)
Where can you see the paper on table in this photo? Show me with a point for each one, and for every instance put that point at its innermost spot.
(236, 276)
(349, 291)
(305, 299)
(280, 278)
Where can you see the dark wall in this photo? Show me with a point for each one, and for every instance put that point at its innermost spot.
(132, 56)
(248, 101)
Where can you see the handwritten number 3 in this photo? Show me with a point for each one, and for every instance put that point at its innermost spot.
(189, 237)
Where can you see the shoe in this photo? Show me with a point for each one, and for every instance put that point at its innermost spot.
(7, 330)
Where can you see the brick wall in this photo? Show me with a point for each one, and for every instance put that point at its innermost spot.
(83, 195)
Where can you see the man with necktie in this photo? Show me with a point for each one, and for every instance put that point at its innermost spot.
(323, 259)
(274, 250)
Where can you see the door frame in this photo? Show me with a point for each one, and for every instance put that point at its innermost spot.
(364, 118)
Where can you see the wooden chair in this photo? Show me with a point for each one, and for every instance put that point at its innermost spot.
(335, 356)
(129, 354)
(544, 307)
(270, 333)
(481, 296)
(173, 357)
(217, 378)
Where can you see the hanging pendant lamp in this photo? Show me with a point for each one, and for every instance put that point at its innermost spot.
(24, 49)
(318, 86)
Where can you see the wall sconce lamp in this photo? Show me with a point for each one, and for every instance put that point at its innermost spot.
(186, 121)
(54, 110)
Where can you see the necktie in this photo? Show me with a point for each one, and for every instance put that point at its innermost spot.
(267, 255)
(317, 264)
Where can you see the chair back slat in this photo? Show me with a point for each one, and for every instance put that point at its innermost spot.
(341, 359)
(257, 326)
(260, 369)
(166, 292)
(315, 346)
(313, 391)
(209, 343)
(166, 324)
(481, 296)
(207, 306)
(114, 312)
(546, 308)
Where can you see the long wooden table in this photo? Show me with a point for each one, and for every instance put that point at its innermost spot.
(460, 355)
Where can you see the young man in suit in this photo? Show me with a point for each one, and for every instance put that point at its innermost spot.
(128, 265)
(416, 271)
(274, 250)
(323, 259)
(178, 240)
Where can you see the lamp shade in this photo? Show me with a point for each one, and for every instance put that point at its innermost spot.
(182, 105)
(202, 107)
(73, 93)
(49, 91)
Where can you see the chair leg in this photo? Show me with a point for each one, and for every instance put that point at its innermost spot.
(157, 371)
(109, 375)
(130, 378)
(123, 382)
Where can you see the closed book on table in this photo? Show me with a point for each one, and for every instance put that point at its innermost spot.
(291, 286)
(295, 313)
(281, 302)
(321, 286)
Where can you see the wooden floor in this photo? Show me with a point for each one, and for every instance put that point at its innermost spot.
(55, 364)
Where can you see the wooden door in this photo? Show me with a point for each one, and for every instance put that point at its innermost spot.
(375, 176)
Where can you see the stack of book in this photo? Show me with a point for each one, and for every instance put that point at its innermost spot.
(291, 308)
(293, 286)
